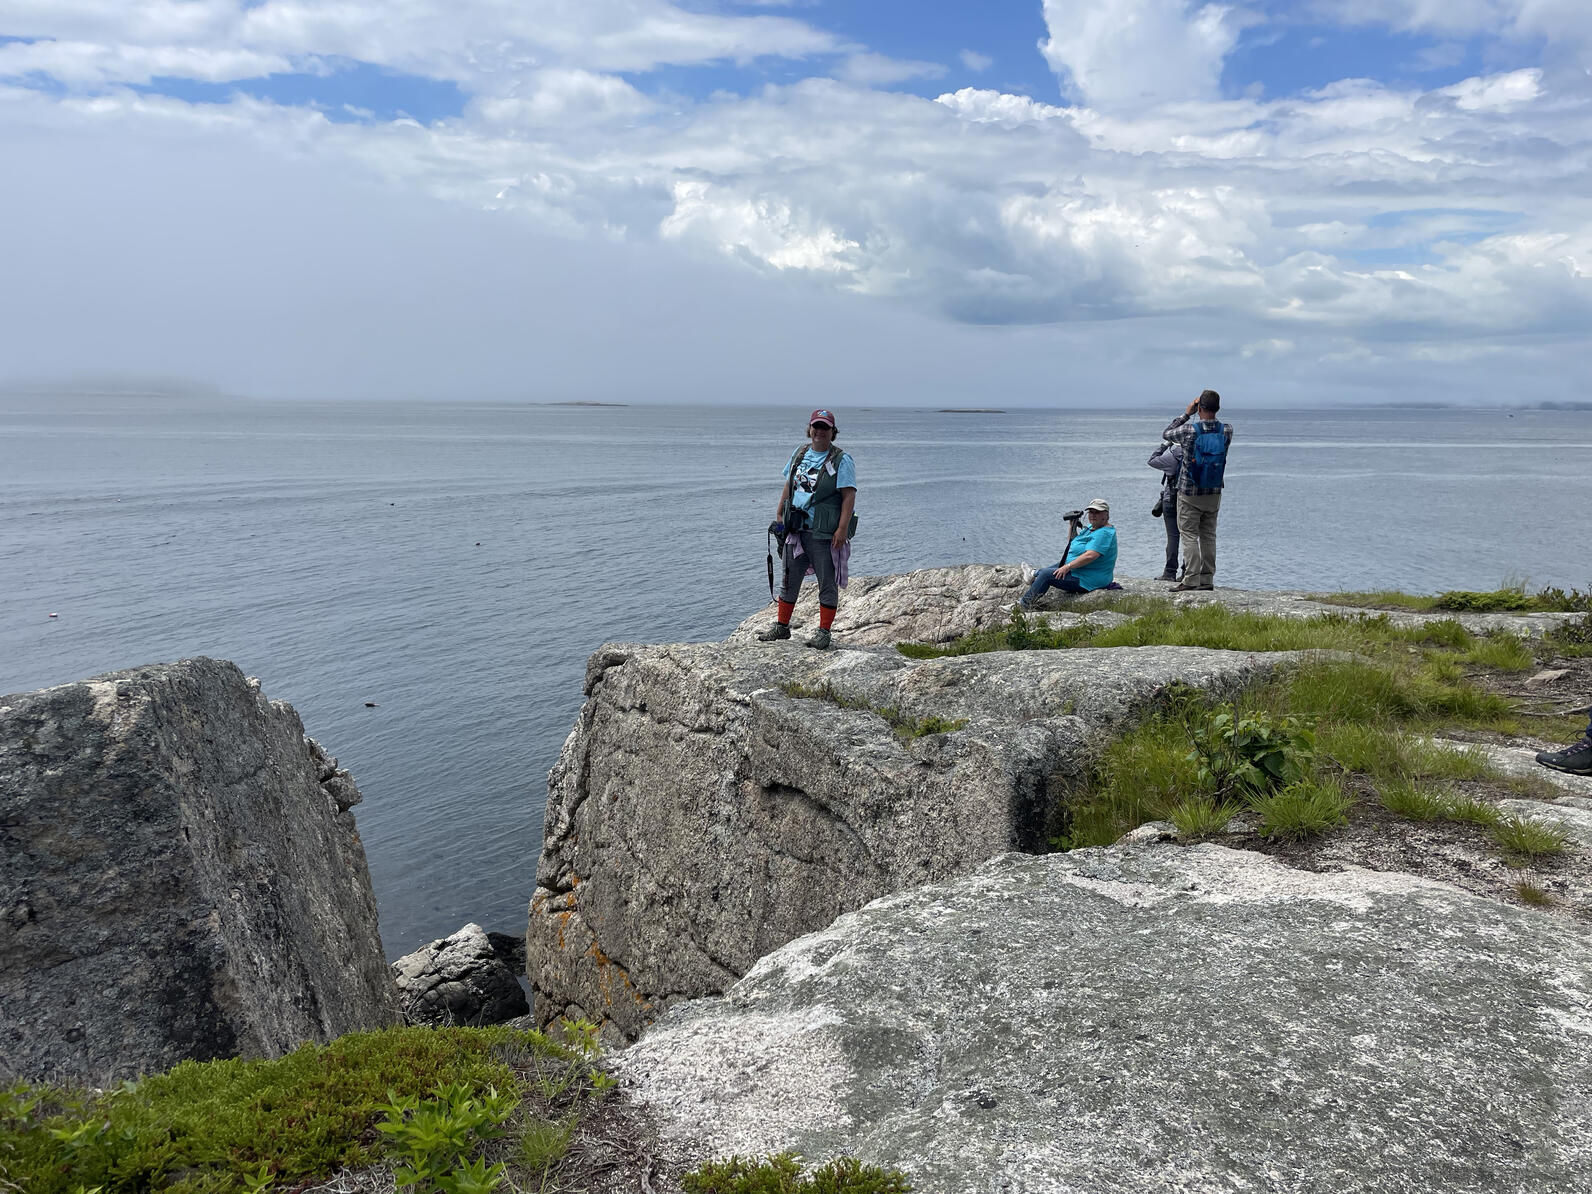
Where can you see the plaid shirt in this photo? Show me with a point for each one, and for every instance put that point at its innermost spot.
(1181, 431)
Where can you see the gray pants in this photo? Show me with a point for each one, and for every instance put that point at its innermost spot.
(1169, 514)
(816, 552)
(1196, 522)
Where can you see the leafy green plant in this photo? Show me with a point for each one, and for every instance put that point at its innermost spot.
(782, 1174)
(1303, 809)
(1238, 754)
(432, 1139)
(1524, 839)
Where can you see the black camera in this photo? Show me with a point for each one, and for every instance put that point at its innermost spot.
(1073, 516)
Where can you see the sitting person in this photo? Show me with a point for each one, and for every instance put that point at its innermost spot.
(1091, 559)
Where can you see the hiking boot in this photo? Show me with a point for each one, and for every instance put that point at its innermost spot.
(820, 639)
(1574, 760)
(1169, 575)
(775, 632)
(1185, 587)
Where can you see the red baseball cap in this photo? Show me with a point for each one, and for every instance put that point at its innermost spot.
(821, 416)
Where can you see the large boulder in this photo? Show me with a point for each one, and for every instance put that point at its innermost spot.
(1154, 1019)
(181, 878)
(463, 978)
(708, 808)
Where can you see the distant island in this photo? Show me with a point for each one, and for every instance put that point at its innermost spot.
(969, 410)
(584, 402)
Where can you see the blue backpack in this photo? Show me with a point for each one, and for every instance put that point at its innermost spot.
(1210, 455)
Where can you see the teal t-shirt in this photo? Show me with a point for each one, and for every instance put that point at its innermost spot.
(801, 493)
(1096, 574)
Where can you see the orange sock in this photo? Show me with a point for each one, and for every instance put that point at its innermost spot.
(786, 608)
(826, 616)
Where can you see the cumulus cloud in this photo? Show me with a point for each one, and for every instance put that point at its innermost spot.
(1133, 54)
(1353, 222)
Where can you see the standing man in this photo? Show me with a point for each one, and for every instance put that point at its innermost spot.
(1204, 442)
(815, 508)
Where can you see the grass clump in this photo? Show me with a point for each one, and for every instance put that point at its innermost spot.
(1505, 652)
(1380, 597)
(906, 727)
(1523, 839)
(1303, 809)
(1414, 800)
(429, 1100)
(1534, 894)
(1201, 817)
(1514, 598)
(783, 1174)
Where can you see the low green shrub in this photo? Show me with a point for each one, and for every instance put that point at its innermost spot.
(783, 1174)
(222, 1126)
(1303, 809)
(433, 1139)
(1523, 839)
(1245, 754)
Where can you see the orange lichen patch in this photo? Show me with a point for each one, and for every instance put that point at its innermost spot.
(563, 919)
(606, 969)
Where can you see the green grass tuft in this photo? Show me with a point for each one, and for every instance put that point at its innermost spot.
(1505, 652)
(1534, 894)
(782, 1174)
(1380, 597)
(1201, 817)
(1524, 839)
(905, 726)
(1303, 809)
(1417, 801)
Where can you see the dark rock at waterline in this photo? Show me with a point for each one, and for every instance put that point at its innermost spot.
(180, 878)
(463, 979)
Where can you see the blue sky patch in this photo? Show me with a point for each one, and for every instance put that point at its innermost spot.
(352, 88)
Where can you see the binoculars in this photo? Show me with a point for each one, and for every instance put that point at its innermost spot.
(1073, 516)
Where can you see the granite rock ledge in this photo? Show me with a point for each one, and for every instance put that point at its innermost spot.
(181, 877)
(700, 815)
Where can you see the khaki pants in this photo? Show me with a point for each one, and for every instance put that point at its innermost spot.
(1196, 525)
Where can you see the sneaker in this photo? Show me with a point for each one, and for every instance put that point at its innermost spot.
(819, 641)
(1029, 572)
(1574, 760)
(774, 633)
(1020, 606)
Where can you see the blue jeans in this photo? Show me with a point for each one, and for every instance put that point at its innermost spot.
(1045, 580)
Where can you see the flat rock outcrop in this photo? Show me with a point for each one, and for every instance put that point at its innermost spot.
(936, 605)
(1154, 1018)
(180, 877)
(703, 812)
(462, 979)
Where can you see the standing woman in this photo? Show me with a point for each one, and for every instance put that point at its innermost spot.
(815, 505)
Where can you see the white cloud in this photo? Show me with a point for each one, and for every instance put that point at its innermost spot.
(974, 61)
(1127, 55)
(1358, 223)
(876, 70)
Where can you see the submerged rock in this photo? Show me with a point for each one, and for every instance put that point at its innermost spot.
(1154, 1018)
(704, 811)
(461, 979)
(181, 878)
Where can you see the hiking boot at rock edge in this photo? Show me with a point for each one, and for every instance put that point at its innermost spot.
(1575, 759)
(774, 633)
(820, 640)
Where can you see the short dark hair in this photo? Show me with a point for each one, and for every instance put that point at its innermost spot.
(1210, 400)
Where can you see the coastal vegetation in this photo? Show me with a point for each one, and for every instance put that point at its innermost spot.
(448, 1110)
(1356, 719)
(493, 1110)
(1512, 598)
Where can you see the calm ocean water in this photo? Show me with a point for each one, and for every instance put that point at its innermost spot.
(457, 563)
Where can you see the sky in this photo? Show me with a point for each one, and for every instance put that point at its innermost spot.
(1008, 202)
